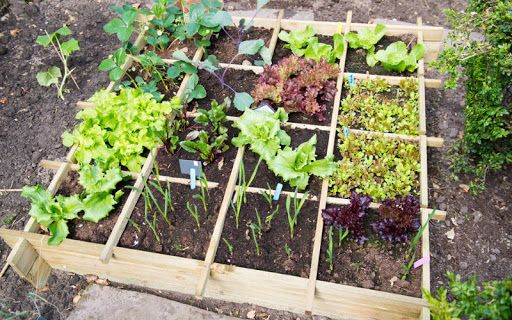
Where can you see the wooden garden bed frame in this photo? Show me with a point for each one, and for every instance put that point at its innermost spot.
(33, 259)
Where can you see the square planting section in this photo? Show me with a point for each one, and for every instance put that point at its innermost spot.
(217, 259)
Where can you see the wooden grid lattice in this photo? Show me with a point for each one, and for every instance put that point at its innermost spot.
(33, 259)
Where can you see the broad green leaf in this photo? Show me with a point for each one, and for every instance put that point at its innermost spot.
(316, 51)
(219, 18)
(59, 231)
(71, 206)
(180, 55)
(64, 31)
(250, 46)
(115, 74)
(107, 65)
(70, 46)
(44, 41)
(114, 26)
(97, 206)
(47, 78)
(242, 100)
(297, 40)
(265, 55)
(371, 60)
(339, 46)
(173, 72)
(124, 34)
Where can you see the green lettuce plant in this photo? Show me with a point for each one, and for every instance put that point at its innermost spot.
(296, 165)
(303, 43)
(262, 132)
(64, 51)
(52, 212)
(366, 38)
(397, 58)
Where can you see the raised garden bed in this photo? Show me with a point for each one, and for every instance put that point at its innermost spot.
(294, 280)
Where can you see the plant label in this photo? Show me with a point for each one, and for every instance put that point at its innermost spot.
(192, 178)
(421, 262)
(265, 107)
(351, 80)
(186, 165)
(345, 131)
(277, 192)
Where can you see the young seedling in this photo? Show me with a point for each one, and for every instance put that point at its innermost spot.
(288, 250)
(240, 195)
(267, 194)
(258, 219)
(229, 245)
(297, 206)
(204, 191)
(255, 229)
(135, 225)
(268, 219)
(147, 209)
(64, 51)
(330, 248)
(411, 254)
(192, 209)
(342, 234)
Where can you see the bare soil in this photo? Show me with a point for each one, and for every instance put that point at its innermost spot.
(274, 237)
(224, 44)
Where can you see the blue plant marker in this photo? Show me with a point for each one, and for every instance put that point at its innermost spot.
(277, 192)
(345, 131)
(192, 178)
(351, 80)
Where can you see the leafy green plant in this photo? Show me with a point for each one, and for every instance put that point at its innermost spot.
(370, 107)
(376, 166)
(114, 64)
(123, 26)
(192, 209)
(485, 64)
(302, 43)
(490, 300)
(52, 212)
(210, 144)
(397, 58)
(262, 132)
(297, 165)
(120, 128)
(64, 51)
(366, 38)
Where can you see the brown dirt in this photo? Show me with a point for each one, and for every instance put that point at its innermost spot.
(87, 230)
(273, 256)
(239, 80)
(371, 265)
(168, 165)
(188, 46)
(265, 176)
(356, 58)
(182, 237)
(224, 48)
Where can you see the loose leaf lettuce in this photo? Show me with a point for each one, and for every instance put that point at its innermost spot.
(53, 213)
(366, 38)
(296, 165)
(396, 58)
(262, 131)
(120, 128)
(297, 39)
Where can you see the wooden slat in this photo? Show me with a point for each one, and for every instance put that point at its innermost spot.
(315, 257)
(25, 260)
(255, 69)
(54, 165)
(421, 85)
(275, 33)
(395, 80)
(230, 283)
(219, 225)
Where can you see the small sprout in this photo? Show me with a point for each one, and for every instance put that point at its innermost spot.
(254, 228)
(258, 219)
(268, 219)
(229, 245)
(192, 209)
(342, 234)
(297, 206)
(330, 248)
(267, 194)
(204, 191)
(288, 250)
(179, 247)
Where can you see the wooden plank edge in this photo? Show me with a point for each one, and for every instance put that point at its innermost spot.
(421, 85)
(219, 225)
(126, 212)
(275, 33)
(317, 244)
(54, 165)
(395, 80)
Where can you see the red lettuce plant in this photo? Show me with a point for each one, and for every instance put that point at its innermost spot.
(350, 217)
(298, 85)
(398, 219)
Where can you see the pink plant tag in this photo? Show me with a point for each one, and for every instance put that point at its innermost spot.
(421, 262)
